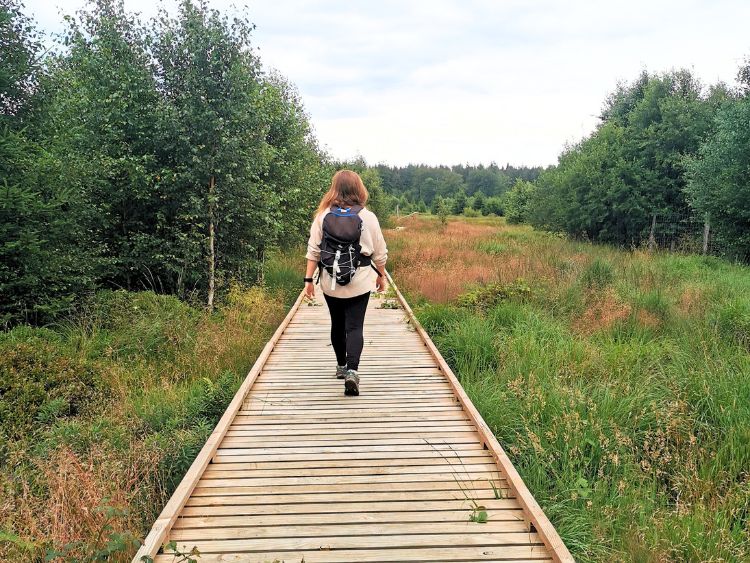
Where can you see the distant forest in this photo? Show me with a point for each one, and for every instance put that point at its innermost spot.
(669, 160)
(420, 186)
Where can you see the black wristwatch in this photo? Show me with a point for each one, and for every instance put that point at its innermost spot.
(308, 280)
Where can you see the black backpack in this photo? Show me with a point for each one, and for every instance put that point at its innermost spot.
(340, 251)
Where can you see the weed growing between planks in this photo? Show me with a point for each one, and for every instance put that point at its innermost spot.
(619, 385)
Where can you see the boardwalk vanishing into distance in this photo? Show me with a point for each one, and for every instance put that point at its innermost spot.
(407, 471)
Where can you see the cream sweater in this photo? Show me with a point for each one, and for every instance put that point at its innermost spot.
(373, 244)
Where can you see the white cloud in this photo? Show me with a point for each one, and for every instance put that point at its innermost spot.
(474, 81)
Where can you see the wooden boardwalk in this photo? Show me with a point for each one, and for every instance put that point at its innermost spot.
(295, 471)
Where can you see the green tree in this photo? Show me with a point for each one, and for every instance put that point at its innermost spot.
(517, 201)
(102, 122)
(493, 206)
(20, 47)
(459, 202)
(295, 174)
(608, 186)
(380, 203)
(436, 203)
(479, 201)
(719, 175)
(217, 138)
(488, 181)
(46, 260)
(442, 209)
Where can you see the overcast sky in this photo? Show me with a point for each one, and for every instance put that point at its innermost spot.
(450, 81)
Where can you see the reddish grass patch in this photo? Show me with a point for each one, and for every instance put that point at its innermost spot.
(439, 263)
(603, 311)
(691, 300)
(648, 319)
(72, 514)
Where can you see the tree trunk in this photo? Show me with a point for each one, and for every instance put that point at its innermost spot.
(706, 233)
(652, 234)
(260, 254)
(211, 245)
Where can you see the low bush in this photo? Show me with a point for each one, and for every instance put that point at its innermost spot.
(40, 382)
(485, 296)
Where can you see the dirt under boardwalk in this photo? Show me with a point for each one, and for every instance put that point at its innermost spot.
(399, 473)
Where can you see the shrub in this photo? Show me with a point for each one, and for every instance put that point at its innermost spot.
(39, 382)
(493, 205)
(517, 201)
(485, 296)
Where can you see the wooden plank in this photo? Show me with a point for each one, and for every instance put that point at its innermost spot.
(347, 463)
(489, 480)
(347, 529)
(435, 516)
(324, 502)
(244, 442)
(250, 545)
(437, 448)
(353, 437)
(333, 396)
(346, 507)
(163, 524)
(531, 508)
(250, 501)
(350, 407)
(421, 471)
(355, 484)
(220, 457)
(475, 488)
(517, 554)
(386, 476)
(340, 431)
(351, 417)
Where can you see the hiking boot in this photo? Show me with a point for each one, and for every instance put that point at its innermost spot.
(351, 383)
(340, 372)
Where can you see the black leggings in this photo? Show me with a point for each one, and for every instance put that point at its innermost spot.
(347, 322)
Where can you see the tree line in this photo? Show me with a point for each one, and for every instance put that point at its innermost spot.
(666, 146)
(456, 189)
(144, 155)
(160, 155)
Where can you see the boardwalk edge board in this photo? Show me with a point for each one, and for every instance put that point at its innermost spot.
(531, 508)
(179, 498)
(183, 499)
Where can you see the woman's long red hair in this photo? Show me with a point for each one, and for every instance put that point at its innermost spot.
(346, 188)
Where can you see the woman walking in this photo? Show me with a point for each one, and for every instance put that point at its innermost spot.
(347, 246)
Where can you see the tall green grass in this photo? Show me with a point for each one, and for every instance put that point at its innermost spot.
(631, 430)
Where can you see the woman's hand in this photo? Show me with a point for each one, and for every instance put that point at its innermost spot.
(309, 290)
(380, 284)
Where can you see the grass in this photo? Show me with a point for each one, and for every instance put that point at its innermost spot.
(619, 384)
(102, 415)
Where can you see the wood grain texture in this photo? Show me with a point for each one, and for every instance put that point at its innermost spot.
(295, 470)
